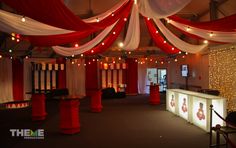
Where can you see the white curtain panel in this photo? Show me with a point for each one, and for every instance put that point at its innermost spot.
(161, 8)
(75, 77)
(105, 14)
(132, 38)
(229, 37)
(27, 79)
(69, 51)
(174, 40)
(6, 86)
(10, 22)
(142, 79)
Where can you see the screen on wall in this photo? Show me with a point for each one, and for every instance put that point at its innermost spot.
(184, 70)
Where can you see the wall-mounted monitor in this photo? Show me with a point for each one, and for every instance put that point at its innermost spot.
(184, 70)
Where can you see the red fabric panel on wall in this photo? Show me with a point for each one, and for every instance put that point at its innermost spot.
(61, 74)
(132, 76)
(17, 79)
(91, 81)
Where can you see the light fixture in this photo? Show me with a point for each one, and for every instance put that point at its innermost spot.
(72, 55)
(186, 53)
(79, 64)
(112, 14)
(164, 41)
(23, 19)
(211, 34)
(17, 40)
(97, 20)
(205, 41)
(103, 43)
(157, 32)
(76, 45)
(0, 56)
(92, 51)
(12, 38)
(168, 20)
(11, 58)
(125, 19)
(26, 57)
(129, 52)
(113, 32)
(72, 62)
(119, 58)
(188, 29)
(93, 60)
(180, 52)
(162, 62)
(13, 34)
(148, 18)
(10, 50)
(89, 63)
(172, 48)
(121, 44)
(176, 60)
(81, 55)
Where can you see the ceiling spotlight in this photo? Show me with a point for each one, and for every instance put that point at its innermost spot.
(168, 21)
(11, 58)
(13, 34)
(17, 40)
(79, 64)
(92, 51)
(129, 52)
(119, 58)
(112, 14)
(186, 53)
(164, 41)
(162, 62)
(72, 62)
(180, 52)
(26, 57)
(148, 18)
(12, 38)
(176, 60)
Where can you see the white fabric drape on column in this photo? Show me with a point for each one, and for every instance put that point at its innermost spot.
(65, 51)
(132, 38)
(184, 46)
(161, 8)
(11, 22)
(6, 86)
(75, 77)
(142, 79)
(27, 79)
(229, 37)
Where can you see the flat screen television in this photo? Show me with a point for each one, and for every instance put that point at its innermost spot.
(184, 70)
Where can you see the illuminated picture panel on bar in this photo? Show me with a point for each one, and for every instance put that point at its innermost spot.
(171, 105)
(200, 111)
(183, 106)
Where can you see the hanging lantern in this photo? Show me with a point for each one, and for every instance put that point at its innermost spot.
(62, 66)
(56, 66)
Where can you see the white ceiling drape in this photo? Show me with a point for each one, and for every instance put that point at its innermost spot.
(69, 51)
(180, 44)
(10, 22)
(161, 8)
(229, 37)
(132, 38)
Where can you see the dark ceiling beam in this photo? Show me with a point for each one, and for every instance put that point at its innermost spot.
(219, 2)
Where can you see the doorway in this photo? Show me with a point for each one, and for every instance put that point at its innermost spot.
(162, 79)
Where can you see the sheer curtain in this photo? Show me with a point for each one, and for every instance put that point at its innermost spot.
(6, 92)
(75, 77)
(142, 79)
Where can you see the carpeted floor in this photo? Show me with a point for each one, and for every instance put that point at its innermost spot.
(123, 123)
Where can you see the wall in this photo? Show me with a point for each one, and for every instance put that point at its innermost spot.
(222, 72)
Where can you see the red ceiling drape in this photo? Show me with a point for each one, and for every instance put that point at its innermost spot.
(158, 39)
(109, 40)
(55, 13)
(75, 36)
(225, 24)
